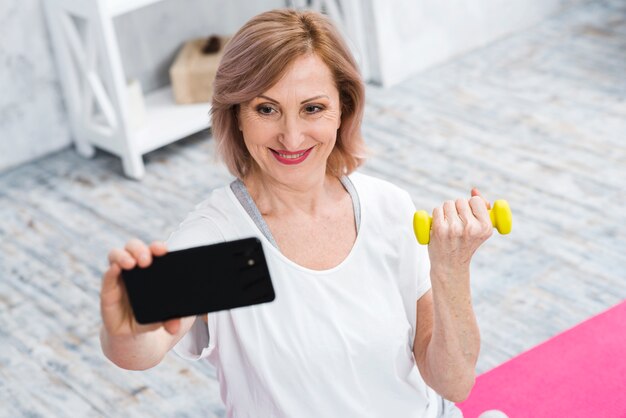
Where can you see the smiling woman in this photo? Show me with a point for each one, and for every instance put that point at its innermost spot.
(271, 43)
(294, 123)
(355, 330)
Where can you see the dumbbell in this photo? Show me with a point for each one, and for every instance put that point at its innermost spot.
(500, 214)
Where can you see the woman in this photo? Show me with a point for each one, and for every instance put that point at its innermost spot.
(366, 323)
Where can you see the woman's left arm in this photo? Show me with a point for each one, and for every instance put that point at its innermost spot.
(447, 339)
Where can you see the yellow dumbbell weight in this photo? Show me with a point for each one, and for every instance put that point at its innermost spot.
(500, 214)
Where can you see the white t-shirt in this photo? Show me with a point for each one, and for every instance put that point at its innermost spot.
(334, 343)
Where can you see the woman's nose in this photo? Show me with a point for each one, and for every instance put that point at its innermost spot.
(292, 135)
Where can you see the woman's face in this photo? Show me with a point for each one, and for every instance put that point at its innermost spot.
(291, 129)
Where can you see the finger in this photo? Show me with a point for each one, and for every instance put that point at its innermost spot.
(438, 223)
(464, 211)
(172, 326)
(110, 279)
(158, 248)
(454, 223)
(112, 292)
(121, 257)
(450, 213)
(140, 252)
(438, 218)
(476, 192)
(479, 210)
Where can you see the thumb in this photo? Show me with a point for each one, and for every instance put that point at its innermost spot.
(476, 192)
(172, 326)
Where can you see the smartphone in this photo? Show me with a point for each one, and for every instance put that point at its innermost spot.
(198, 280)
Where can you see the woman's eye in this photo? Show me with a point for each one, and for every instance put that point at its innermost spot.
(313, 108)
(265, 110)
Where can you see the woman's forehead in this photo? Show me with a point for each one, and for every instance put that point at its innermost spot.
(306, 76)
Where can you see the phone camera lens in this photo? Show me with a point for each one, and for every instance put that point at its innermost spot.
(251, 262)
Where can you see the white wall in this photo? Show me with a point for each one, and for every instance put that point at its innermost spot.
(33, 118)
(32, 115)
(407, 36)
(151, 37)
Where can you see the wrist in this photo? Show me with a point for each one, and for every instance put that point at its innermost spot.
(133, 352)
(446, 273)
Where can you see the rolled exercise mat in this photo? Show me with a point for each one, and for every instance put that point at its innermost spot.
(580, 373)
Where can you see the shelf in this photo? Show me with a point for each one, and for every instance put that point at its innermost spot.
(95, 88)
(167, 121)
(119, 7)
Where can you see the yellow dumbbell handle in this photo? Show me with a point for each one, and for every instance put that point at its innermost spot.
(500, 214)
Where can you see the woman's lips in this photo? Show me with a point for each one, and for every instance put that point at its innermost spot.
(290, 157)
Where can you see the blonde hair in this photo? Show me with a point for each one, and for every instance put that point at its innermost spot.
(256, 58)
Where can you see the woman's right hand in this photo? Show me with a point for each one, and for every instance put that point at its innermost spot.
(117, 314)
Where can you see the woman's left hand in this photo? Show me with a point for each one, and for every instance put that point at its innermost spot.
(458, 229)
(450, 340)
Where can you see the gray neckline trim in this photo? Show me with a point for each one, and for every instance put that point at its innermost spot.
(241, 192)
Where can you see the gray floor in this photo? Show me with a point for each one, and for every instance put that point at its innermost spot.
(538, 118)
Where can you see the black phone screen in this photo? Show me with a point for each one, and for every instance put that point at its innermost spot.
(199, 280)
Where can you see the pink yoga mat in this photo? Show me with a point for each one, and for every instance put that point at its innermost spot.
(580, 373)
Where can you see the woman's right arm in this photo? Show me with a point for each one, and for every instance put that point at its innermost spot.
(124, 341)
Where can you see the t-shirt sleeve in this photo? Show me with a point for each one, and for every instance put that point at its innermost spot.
(423, 270)
(414, 263)
(416, 255)
(194, 231)
(196, 343)
(394, 210)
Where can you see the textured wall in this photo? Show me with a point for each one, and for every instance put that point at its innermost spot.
(33, 118)
(150, 38)
(537, 119)
(410, 36)
(32, 115)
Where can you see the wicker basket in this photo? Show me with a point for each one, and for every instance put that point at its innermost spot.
(193, 72)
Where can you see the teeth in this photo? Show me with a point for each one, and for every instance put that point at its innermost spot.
(291, 157)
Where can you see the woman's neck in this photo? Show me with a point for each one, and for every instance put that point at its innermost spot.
(276, 198)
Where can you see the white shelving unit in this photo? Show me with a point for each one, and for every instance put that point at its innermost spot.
(95, 86)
